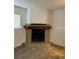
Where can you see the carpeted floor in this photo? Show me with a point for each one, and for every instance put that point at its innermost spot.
(39, 51)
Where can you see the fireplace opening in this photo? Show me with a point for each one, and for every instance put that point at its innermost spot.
(38, 35)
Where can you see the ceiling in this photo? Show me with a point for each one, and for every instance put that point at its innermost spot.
(47, 4)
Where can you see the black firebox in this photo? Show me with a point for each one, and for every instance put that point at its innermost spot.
(38, 35)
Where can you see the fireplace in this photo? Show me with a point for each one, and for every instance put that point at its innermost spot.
(37, 33)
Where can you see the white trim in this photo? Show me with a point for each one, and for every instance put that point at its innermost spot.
(19, 44)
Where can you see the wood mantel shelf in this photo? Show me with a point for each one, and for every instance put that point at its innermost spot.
(37, 26)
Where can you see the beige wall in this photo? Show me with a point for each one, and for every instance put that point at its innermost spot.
(57, 21)
(19, 36)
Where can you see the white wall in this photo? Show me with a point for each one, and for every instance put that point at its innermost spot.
(20, 33)
(17, 21)
(19, 36)
(23, 14)
(57, 33)
(36, 15)
(39, 16)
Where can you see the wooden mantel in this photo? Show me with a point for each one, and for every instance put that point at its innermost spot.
(37, 26)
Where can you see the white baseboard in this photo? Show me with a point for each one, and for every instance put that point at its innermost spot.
(17, 45)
